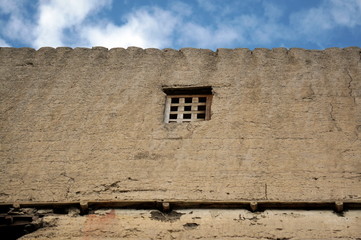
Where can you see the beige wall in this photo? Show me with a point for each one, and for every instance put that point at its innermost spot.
(87, 124)
(201, 224)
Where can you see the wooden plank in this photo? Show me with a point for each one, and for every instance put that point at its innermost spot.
(208, 107)
(167, 109)
(187, 104)
(188, 96)
(175, 112)
(181, 107)
(180, 120)
(201, 204)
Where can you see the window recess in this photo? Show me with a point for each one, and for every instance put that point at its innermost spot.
(187, 104)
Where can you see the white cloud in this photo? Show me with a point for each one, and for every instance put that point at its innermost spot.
(3, 43)
(77, 23)
(181, 9)
(327, 16)
(8, 6)
(268, 33)
(318, 24)
(195, 35)
(56, 16)
(258, 30)
(346, 13)
(18, 26)
(235, 29)
(4, 6)
(207, 5)
(311, 22)
(145, 28)
(271, 11)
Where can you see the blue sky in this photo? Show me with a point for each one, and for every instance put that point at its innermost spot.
(212, 24)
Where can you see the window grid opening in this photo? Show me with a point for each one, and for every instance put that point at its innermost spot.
(187, 108)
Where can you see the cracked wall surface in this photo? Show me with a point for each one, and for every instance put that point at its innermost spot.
(87, 124)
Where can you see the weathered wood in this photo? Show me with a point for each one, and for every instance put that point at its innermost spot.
(84, 207)
(339, 206)
(187, 204)
(253, 206)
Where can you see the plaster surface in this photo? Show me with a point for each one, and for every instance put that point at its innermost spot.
(201, 224)
(87, 124)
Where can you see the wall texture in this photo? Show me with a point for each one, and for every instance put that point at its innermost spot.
(202, 224)
(87, 124)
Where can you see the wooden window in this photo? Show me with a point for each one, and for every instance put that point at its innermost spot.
(188, 105)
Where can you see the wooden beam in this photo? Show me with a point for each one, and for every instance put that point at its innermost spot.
(260, 205)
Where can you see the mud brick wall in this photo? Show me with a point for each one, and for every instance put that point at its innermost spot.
(201, 224)
(87, 124)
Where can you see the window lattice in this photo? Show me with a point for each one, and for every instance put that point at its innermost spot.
(187, 108)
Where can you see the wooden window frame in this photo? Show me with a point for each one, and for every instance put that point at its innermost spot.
(192, 115)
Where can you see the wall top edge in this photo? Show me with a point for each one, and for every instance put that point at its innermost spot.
(99, 48)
